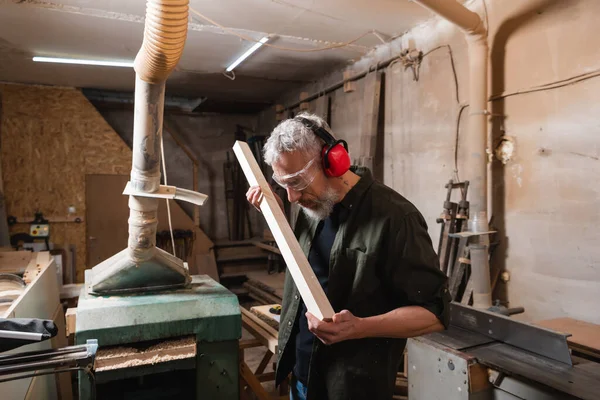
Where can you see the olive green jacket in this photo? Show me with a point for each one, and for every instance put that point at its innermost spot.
(382, 258)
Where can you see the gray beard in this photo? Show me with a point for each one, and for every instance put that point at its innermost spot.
(325, 206)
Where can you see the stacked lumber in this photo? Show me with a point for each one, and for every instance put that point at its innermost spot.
(261, 292)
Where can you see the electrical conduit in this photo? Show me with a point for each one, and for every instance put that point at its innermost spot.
(477, 134)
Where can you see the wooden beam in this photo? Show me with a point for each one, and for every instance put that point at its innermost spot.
(267, 247)
(249, 344)
(268, 328)
(267, 297)
(71, 318)
(264, 313)
(370, 121)
(349, 86)
(263, 363)
(253, 382)
(308, 285)
(260, 333)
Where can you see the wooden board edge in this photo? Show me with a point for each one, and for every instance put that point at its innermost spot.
(308, 285)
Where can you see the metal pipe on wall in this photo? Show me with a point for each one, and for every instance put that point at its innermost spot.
(480, 271)
(477, 133)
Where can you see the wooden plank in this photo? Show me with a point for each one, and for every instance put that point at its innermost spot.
(267, 376)
(253, 382)
(478, 378)
(263, 363)
(260, 333)
(349, 86)
(267, 247)
(14, 262)
(36, 265)
(261, 294)
(249, 344)
(71, 319)
(265, 315)
(370, 122)
(268, 328)
(308, 285)
(584, 334)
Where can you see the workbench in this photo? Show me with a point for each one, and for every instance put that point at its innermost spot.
(484, 355)
(264, 326)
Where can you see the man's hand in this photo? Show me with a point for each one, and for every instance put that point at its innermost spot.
(344, 326)
(254, 195)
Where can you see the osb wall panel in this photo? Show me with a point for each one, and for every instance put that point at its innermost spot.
(52, 138)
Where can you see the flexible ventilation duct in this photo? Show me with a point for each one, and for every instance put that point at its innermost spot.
(142, 266)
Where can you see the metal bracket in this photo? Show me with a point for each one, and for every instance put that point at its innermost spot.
(169, 192)
(468, 234)
(534, 339)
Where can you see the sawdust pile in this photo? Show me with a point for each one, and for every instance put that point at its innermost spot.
(126, 357)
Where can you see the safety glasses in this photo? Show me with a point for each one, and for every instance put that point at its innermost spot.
(297, 181)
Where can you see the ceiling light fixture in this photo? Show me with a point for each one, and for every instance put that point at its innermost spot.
(248, 53)
(128, 64)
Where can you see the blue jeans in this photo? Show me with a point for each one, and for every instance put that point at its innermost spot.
(297, 389)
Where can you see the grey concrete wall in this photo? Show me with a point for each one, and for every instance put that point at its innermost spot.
(210, 137)
(545, 200)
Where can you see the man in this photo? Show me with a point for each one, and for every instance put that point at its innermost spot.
(371, 252)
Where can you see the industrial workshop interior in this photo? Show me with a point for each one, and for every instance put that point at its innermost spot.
(294, 199)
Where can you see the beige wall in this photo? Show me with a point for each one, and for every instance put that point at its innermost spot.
(546, 199)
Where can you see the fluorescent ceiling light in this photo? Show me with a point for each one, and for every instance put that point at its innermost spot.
(247, 54)
(83, 62)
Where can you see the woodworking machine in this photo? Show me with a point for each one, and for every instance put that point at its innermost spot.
(161, 333)
(128, 327)
(485, 356)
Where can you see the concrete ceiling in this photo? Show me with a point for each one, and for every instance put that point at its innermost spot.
(113, 29)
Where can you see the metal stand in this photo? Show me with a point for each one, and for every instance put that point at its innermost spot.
(54, 361)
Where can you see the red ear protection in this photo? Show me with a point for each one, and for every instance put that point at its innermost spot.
(334, 156)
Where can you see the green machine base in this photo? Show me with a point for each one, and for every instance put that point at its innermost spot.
(205, 309)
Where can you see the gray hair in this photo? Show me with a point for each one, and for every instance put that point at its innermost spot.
(292, 135)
